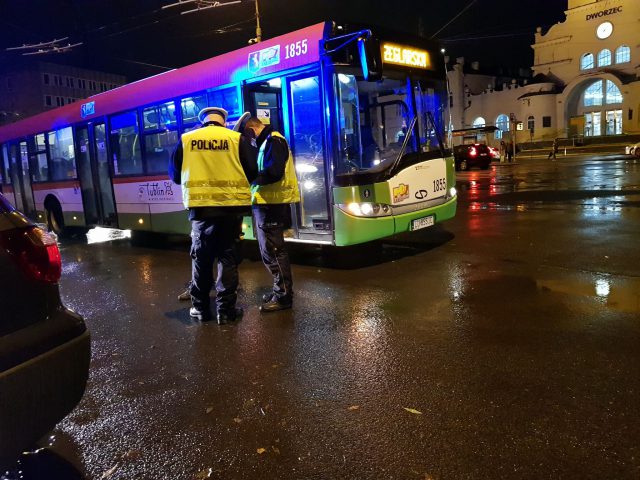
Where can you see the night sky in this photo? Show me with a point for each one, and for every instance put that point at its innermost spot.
(136, 38)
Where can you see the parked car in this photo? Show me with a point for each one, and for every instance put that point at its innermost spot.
(474, 155)
(44, 347)
(633, 150)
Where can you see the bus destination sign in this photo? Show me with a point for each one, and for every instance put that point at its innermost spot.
(406, 56)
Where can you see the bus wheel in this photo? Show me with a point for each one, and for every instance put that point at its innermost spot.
(55, 220)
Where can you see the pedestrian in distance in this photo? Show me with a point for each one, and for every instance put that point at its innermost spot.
(554, 149)
(273, 191)
(214, 166)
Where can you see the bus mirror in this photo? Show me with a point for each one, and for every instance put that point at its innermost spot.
(370, 58)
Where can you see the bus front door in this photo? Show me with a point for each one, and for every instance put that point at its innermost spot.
(95, 177)
(303, 127)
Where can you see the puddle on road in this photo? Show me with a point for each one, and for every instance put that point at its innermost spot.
(620, 294)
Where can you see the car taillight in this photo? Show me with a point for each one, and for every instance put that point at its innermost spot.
(473, 152)
(35, 251)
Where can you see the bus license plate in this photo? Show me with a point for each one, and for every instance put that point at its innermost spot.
(423, 222)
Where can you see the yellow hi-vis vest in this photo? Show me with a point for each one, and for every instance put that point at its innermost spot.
(284, 191)
(212, 175)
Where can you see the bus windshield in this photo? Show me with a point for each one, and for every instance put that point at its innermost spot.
(374, 118)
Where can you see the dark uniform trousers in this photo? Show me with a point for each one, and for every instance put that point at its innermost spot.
(271, 222)
(214, 239)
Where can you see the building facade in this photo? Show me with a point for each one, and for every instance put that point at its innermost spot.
(30, 88)
(585, 80)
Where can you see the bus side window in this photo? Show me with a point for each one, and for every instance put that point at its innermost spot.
(125, 144)
(160, 136)
(227, 98)
(62, 155)
(190, 107)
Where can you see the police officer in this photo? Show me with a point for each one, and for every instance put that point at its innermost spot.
(214, 166)
(272, 191)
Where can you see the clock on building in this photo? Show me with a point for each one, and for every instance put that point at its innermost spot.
(604, 30)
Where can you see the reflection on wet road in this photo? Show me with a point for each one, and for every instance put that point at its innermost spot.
(503, 344)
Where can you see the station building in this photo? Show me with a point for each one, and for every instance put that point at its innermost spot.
(584, 82)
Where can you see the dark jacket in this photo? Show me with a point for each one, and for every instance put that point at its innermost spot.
(248, 160)
(276, 154)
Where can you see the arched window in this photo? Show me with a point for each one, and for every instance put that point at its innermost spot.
(531, 123)
(479, 122)
(593, 94)
(586, 62)
(623, 54)
(502, 122)
(604, 58)
(614, 95)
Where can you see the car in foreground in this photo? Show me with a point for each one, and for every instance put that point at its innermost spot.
(473, 155)
(44, 347)
(633, 150)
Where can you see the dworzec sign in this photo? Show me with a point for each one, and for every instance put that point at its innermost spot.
(604, 13)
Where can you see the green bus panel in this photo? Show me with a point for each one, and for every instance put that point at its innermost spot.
(350, 230)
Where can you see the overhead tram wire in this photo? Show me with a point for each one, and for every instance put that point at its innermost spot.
(453, 19)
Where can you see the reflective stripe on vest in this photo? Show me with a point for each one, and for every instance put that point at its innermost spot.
(284, 191)
(212, 175)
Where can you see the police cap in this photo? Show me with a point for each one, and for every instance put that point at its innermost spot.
(211, 111)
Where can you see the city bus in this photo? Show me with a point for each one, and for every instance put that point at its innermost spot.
(363, 114)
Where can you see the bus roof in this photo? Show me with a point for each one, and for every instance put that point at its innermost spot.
(259, 59)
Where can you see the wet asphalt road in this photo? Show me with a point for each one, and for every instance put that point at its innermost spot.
(503, 344)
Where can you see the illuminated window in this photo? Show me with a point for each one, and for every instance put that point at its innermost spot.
(62, 154)
(502, 122)
(190, 107)
(623, 54)
(479, 122)
(614, 95)
(125, 144)
(227, 98)
(604, 58)
(586, 62)
(531, 123)
(593, 94)
(159, 117)
(613, 120)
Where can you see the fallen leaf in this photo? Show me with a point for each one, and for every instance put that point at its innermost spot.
(209, 410)
(413, 410)
(261, 450)
(354, 407)
(109, 472)
(204, 474)
(132, 455)
(276, 450)
(237, 420)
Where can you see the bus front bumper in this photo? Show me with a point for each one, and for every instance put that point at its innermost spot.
(351, 230)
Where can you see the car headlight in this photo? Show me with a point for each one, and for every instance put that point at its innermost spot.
(365, 209)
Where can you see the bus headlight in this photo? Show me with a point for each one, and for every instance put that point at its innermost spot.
(365, 209)
(452, 192)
